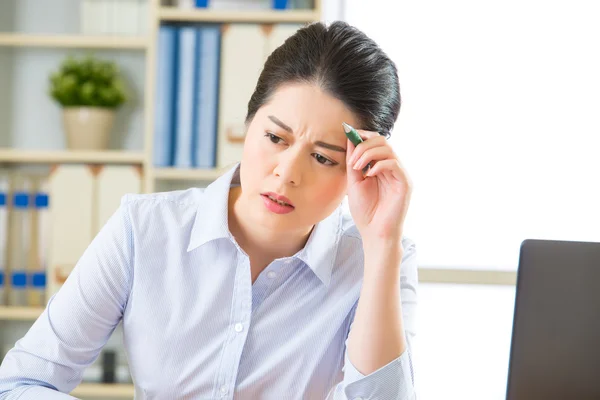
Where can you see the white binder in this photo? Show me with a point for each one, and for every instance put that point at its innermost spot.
(112, 183)
(71, 190)
(242, 59)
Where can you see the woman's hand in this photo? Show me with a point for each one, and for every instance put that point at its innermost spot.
(379, 199)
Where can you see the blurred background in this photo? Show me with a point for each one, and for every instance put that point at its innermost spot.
(498, 130)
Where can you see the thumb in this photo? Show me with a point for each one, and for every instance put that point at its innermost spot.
(353, 175)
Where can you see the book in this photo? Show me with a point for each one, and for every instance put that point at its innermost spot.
(186, 3)
(19, 237)
(86, 17)
(104, 16)
(126, 18)
(83, 199)
(242, 60)
(185, 95)
(3, 234)
(142, 14)
(164, 126)
(207, 100)
(240, 4)
(244, 50)
(38, 240)
(112, 183)
(280, 4)
(71, 188)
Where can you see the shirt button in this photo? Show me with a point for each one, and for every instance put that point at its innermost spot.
(223, 389)
(271, 274)
(288, 262)
(358, 398)
(239, 327)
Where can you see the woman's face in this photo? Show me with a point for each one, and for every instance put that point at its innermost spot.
(296, 147)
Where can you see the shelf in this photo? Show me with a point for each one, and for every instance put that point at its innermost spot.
(199, 15)
(104, 390)
(467, 276)
(73, 41)
(13, 313)
(179, 174)
(66, 156)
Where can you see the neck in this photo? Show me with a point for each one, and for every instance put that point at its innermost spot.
(258, 240)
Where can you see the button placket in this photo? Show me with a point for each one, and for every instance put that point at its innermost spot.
(236, 335)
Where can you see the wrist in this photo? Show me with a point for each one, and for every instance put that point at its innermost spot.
(383, 247)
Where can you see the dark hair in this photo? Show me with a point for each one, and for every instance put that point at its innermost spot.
(345, 63)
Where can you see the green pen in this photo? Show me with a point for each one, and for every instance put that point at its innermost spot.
(355, 139)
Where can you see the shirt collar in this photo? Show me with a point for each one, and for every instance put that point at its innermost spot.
(211, 222)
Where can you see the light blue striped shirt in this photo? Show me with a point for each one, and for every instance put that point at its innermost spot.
(194, 325)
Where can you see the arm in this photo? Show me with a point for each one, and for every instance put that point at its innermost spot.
(378, 360)
(49, 360)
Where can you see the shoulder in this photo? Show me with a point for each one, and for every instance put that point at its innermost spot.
(176, 204)
(175, 197)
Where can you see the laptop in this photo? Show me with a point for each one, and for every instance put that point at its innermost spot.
(555, 347)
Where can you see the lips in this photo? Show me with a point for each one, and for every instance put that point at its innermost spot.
(279, 198)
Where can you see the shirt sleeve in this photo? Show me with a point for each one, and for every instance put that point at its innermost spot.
(48, 362)
(394, 381)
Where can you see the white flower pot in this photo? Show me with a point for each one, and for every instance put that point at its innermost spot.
(88, 128)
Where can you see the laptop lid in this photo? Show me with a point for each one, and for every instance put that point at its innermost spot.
(555, 347)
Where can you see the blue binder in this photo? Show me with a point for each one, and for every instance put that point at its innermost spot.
(185, 98)
(165, 96)
(205, 128)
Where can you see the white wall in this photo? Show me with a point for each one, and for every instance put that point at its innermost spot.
(499, 128)
(462, 347)
(500, 133)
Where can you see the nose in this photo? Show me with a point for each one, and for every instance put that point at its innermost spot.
(289, 169)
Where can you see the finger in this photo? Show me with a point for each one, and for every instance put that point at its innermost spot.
(374, 154)
(390, 166)
(368, 143)
(353, 175)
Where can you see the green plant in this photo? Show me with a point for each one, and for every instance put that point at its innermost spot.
(87, 82)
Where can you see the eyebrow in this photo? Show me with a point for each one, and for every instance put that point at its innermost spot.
(317, 143)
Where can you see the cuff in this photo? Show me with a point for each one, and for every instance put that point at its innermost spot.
(392, 381)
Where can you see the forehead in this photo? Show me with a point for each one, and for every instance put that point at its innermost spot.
(304, 105)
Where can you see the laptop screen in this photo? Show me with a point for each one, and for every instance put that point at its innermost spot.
(555, 347)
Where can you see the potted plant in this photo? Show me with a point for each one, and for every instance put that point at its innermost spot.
(89, 90)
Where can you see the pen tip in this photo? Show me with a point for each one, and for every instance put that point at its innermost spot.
(347, 128)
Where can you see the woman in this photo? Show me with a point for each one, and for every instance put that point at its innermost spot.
(261, 286)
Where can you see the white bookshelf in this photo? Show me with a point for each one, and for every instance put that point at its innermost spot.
(14, 156)
(73, 41)
(138, 55)
(192, 174)
(156, 14)
(176, 14)
(12, 313)
(104, 390)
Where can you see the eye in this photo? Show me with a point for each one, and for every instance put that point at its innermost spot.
(322, 160)
(273, 138)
